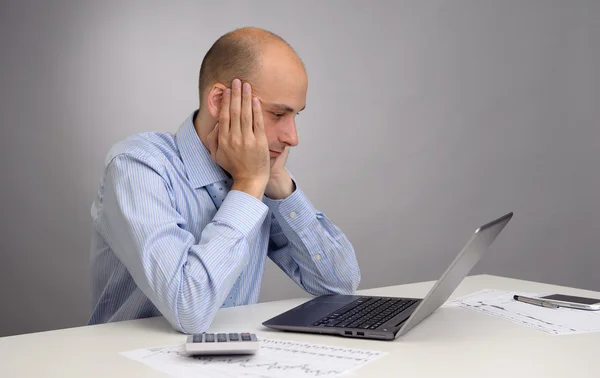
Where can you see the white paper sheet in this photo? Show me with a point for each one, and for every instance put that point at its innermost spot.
(559, 321)
(275, 359)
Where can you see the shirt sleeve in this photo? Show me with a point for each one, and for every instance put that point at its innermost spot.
(309, 248)
(187, 280)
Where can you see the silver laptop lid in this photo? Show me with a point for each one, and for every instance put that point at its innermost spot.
(459, 268)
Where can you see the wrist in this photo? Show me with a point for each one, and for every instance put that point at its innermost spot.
(254, 187)
(280, 187)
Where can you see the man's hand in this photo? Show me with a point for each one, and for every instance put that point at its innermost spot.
(238, 143)
(280, 183)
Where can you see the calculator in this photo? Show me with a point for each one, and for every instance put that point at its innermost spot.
(221, 343)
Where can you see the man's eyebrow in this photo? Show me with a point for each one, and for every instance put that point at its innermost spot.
(285, 108)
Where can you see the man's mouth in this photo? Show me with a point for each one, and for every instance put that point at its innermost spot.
(274, 153)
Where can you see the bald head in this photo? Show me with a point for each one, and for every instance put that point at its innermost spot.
(275, 73)
(241, 54)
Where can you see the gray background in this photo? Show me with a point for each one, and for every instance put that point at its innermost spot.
(451, 112)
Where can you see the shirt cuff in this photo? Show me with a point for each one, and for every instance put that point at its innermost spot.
(242, 212)
(295, 211)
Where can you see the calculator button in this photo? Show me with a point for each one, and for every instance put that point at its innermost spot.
(221, 337)
(198, 338)
(234, 337)
(209, 337)
(246, 337)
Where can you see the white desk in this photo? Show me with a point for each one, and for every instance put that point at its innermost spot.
(453, 342)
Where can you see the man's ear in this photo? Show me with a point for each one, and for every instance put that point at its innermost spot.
(214, 98)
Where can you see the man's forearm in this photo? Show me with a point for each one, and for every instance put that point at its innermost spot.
(310, 248)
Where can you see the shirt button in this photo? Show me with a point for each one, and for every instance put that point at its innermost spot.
(293, 214)
(318, 256)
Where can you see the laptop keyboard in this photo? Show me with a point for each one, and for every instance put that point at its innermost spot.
(365, 313)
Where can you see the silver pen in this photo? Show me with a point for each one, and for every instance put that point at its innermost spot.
(534, 301)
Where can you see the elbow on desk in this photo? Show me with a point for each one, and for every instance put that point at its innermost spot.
(353, 282)
(190, 329)
(191, 324)
(339, 285)
(347, 274)
(190, 317)
(350, 281)
(356, 281)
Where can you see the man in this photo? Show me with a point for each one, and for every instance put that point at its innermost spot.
(183, 223)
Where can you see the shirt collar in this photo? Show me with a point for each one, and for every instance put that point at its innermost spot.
(200, 167)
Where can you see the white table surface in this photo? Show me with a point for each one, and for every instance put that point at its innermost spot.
(452, 342)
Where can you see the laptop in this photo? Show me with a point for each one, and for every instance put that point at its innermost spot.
(386, 318)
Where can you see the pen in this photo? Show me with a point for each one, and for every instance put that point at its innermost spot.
(533, 301)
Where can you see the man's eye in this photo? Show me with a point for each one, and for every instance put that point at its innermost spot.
(278, 115)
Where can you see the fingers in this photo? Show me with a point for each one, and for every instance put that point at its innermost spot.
(213, 142)
(259, 126)
(235, 108)
(241, 115)
(224, 116)
(242, 146)
(246, 126)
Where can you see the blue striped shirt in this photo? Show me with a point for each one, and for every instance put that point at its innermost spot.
(160, 246)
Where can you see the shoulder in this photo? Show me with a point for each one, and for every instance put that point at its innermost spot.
(153, 149)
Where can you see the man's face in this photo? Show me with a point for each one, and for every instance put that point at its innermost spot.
(281, 88)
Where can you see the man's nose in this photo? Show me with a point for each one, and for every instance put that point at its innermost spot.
(288, 134)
